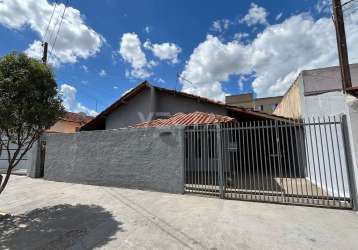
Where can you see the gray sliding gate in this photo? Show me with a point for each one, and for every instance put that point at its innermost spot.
(270, 161)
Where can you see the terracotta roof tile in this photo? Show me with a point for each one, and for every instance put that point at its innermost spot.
(194, 118)
(77, 117)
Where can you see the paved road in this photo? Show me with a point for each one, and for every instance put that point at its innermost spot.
(53, 215)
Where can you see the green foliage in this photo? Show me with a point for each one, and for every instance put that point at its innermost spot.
(29, 104)
(29, 100)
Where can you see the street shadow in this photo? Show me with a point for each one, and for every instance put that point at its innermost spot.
(59, 227)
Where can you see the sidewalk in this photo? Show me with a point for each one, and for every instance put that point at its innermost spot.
(55, 215)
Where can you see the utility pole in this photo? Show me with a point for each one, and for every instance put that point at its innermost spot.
(341, 44)
(44, 56)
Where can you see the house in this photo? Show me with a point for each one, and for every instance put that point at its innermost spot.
(147, 102)
(317, 96)
(266, 104)
(70, 123)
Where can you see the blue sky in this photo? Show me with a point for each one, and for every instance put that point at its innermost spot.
(222, 47)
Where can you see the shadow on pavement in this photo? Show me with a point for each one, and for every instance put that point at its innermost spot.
(59, 227)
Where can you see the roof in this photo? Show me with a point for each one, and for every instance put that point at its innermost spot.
(194, 118)
(77, 117)
(100, 119)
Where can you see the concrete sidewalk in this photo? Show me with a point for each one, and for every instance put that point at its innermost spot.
(52, 215)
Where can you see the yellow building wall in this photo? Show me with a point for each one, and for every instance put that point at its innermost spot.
(64, 127)
(290, 105)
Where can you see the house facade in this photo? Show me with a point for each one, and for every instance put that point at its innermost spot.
(147, 102)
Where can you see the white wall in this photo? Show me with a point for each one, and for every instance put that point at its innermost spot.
(326, 156)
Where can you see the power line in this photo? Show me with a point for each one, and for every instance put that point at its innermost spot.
(59, 27)
(181, 77)
(48, 25)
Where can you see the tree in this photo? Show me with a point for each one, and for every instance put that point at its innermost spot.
(29, 104)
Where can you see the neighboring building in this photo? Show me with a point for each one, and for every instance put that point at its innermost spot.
(70, 123)
(267, 104)
(317, 92)
(147, 102)
(315, 95)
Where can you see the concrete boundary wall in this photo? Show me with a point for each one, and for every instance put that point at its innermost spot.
(149, 159)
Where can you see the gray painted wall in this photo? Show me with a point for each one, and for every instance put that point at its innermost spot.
(149, 105)
(150, 159)
(327, 78)
(24, 165)
(131, 113)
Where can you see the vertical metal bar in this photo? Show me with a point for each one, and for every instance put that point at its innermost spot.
(349, 164)
(264, 141)
(298, 161)
(279, 153)
(224, 154)
(305, 158)
(268, 157)
(283, 153)
(220, 166)
(274, 155)
(214, 156)
(294, 145)
(216, 150)
(203, 157)
(250, 159)
(239, 159)
(313, 158)
(318, 158)
(209, 159)
(329, 160)
(253, 159)
(288, 160)
(260, 129)
(236, 161)
(334, 161)
(340, 158)
(231, 162)
(323, 160)
(185, 159)
(244, 166)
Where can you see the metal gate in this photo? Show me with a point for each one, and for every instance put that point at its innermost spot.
(286, 162)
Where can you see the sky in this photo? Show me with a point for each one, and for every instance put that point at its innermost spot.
(211, 48)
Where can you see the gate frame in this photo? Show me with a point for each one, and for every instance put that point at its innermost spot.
(349, 163)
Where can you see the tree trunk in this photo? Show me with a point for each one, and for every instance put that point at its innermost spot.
(7, 177)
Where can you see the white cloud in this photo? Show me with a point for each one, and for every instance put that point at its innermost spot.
(323, 6)
(220, 25)
(164, 51)
(256, 15)
(210, 63)
(85, 68)
(76, 40)
(70, 102)
(148, 29)
(274, 58)
(278, 17)
(240, 36)
(102, 73)
(115, 87)
(131, 52)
